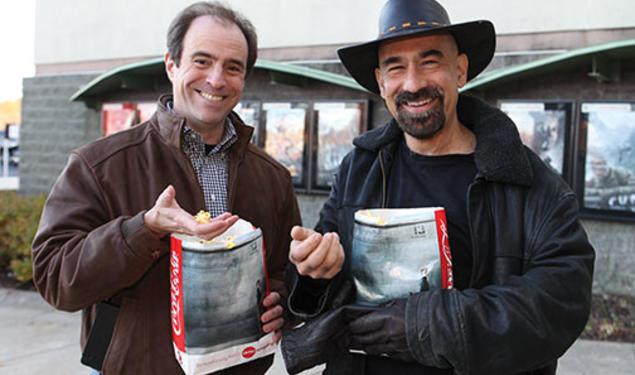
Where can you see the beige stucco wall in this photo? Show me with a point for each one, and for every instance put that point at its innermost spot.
(88, 30)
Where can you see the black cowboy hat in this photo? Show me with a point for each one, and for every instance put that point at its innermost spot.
(398, 18)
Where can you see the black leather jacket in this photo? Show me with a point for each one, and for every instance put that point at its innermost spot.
(530, 289)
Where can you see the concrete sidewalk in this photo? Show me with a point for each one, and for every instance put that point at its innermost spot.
(36, 339)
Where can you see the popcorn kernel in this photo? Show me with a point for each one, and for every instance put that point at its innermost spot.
(202, 217)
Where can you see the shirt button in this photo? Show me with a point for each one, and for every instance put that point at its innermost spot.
(155, 254)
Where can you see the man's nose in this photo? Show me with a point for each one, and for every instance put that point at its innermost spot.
(216, 76)
(414, 80)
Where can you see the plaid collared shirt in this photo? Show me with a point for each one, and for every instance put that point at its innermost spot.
(211, 167)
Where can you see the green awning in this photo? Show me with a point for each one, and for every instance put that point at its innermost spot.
(149, 74)
(602, 60)
(122, 77)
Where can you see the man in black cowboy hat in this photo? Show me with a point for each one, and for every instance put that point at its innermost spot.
(522, 262)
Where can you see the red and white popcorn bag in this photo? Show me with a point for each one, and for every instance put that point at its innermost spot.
(217, 289)
(400, 251)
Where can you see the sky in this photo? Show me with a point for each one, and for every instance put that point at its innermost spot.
(17, 38)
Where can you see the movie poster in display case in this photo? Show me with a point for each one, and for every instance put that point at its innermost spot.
(544, 128)
(606, 159)
(337, 124)
(284, 127)
(116, 117)
(249, 112)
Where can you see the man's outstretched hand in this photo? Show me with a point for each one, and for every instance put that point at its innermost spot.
(166, 216)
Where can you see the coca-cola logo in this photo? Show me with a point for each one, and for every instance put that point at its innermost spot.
(249, 352)
(176, 292)
(444, 242)
(446, 252)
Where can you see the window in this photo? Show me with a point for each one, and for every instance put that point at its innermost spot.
(10, 156)
(606, 159)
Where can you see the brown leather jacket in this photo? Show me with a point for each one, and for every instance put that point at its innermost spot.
(92, 245)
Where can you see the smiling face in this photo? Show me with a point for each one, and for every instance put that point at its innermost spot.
(419, 78)
(208, 81)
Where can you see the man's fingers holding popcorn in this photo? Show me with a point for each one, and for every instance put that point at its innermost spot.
(326, 260)
(304, 242)
(301, 233)
(314, 255)
(166, 216)
(214, 226)
(333, 260)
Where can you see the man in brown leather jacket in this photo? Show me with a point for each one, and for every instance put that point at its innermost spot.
(104, 231)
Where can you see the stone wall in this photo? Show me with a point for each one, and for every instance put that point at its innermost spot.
(51, 127)
(614, 245)
(310, 206)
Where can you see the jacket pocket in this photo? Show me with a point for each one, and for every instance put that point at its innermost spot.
(124, 355)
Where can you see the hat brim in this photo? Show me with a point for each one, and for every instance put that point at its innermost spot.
(477, 39)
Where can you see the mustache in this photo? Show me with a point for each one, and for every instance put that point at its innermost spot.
(424, 93)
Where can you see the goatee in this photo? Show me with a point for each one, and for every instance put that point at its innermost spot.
(421, 125)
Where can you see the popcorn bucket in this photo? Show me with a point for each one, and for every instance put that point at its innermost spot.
(216, 291)
(399, 251)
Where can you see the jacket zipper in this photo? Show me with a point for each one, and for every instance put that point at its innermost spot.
(475, 249)
(383, 180)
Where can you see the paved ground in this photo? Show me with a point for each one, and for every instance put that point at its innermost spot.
(36, 339)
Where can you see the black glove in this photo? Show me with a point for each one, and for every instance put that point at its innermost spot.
(312, 343)
(383, 332)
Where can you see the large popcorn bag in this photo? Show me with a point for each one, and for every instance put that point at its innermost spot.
(217, 289)
(394, 252)
(399, 251)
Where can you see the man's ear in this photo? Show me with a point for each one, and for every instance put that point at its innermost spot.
(380, 82)
(170, 65)
(462, 64)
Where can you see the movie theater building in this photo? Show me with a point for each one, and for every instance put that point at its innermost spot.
(566, 75)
